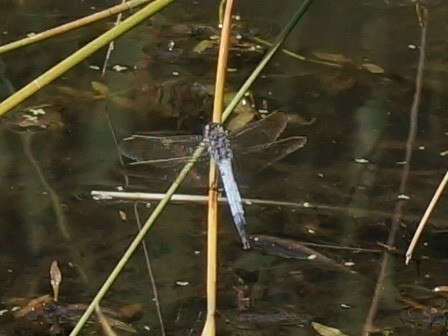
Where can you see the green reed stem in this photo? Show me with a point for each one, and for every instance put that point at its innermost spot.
(82, 54)
(267, 57)
(71, 25)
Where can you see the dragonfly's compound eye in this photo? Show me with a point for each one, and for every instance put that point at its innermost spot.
(212, 129)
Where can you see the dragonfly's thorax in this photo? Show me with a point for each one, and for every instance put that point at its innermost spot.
(217, 139)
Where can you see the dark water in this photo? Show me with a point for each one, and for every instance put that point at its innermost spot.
(350, 171)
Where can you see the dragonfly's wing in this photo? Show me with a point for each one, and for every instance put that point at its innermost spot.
(259, 157)
(159, 151)
(264, 131)
(170, 151)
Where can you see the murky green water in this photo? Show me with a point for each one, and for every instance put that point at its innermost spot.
(348, 181)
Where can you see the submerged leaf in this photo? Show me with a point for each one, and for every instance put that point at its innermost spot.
(292, 249)
(75, 93)
(326, 330)
(256, 318)
(244, 112)
(33, 305)
(55, 279)
(117, 324)
(100, 88)
(332, 57)
(372, 68)
(107, 329)
(131, 311)
(240, 120)
(203, 46)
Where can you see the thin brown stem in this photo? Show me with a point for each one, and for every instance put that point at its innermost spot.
(385, 264)
(111, 47)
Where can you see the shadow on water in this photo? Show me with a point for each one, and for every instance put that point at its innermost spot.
(352, 101)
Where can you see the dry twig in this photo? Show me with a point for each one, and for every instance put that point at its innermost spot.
(385, 264)
(425, 217)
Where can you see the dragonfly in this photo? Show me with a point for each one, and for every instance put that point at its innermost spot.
(259, 137)
(220, 151)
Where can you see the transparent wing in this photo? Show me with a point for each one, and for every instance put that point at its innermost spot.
(159, 151)
(259, 137)
(259, 157)
(264, 131)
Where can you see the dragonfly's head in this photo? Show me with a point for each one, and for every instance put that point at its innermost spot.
(218, 142)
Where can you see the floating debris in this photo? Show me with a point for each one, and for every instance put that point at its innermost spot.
(36, 111)
(403, 197)
(119, 68)
(182, 283)
(332, 57)
(55, 279)
(372, 68)
(204, 45)
(123, 215)
(441, 289)
(324, 330)
(46, 315)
